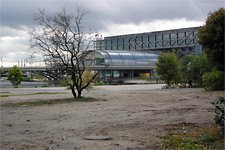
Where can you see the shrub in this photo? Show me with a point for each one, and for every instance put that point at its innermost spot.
(219, 110)
(15, 76)
(213, 81)
(99, 83)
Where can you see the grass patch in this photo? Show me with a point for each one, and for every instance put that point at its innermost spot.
(49, 102)
(41, 93)
(4, 95)
(208, 138)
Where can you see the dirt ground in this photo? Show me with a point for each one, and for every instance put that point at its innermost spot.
(133, 120)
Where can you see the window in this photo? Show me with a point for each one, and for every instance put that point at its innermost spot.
(125, 41)
(188, 34)
(120, 47)
(145, 39)
(180, 35)
(180, 42)
(138, 46)
(114, 42)
(195, 33)
(158, 37)
(125, 47)
(152, 38)
(165, 37)
(108, 43)
(145, 45)
(114, 47)
(120, 41)
(188, 41)
(173, 36)
(108, 48)
(165, 43)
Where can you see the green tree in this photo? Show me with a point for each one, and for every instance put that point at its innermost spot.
(167, 68)
(185, 69)
(15, 76)
(211, 37)
(193, 67)
(213, 80)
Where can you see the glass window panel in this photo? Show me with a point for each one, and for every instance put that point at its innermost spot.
(108, 42)
(188, 34)
(97, 47)
(120, 47)
(145, 45)
(98, 61)
(114, 47)
(180, 35)
(166, 37)
(102, 42)
(152, 46)
(128, 59)
(114, 41)
(145, 39)
(132, 40)
(165, 43)
(138, 39)
(141, 59)
(125, 47)
(108, 48)
(132, 46)
(180, 42)
(189, 41)
(195, 40)
(152, 38)
(138, 46)
(173, 36)
(158, 44)
(102, 47)
(125, 41)
(195, 33)
(120, 41)
(158, 37)
(172, 42)
(116, 59)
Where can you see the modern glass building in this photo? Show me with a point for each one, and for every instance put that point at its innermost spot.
(135, 55)
(121, 64)
(184, 40)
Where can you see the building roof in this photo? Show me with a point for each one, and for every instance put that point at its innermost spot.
(116, 58)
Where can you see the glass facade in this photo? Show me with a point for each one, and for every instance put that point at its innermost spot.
(185, 39)
(120, 58)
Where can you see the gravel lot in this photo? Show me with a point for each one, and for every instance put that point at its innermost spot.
(133, 116)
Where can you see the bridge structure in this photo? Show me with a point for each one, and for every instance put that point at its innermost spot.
(48, 72)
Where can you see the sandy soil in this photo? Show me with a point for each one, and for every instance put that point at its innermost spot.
(133, 120)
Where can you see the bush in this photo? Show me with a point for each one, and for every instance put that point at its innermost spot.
(213, 81)
(100, 83)
(15, 76)
(219, 110)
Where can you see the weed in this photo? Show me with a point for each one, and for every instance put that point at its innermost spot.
(48, 102)
(205, 138)
(4, 95)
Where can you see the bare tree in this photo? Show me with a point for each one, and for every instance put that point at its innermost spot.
(63, 43)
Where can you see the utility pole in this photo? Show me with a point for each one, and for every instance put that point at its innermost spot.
(1, 62)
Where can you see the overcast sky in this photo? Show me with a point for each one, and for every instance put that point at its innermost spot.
(107, 17)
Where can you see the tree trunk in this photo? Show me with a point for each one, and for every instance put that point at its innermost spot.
(79, 93)
(73, 91)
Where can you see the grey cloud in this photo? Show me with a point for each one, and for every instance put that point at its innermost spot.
(17, 13)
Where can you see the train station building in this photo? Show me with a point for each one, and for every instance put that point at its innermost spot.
(135, 55)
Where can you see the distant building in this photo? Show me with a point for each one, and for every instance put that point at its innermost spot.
(184, 40)
(135, 55)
